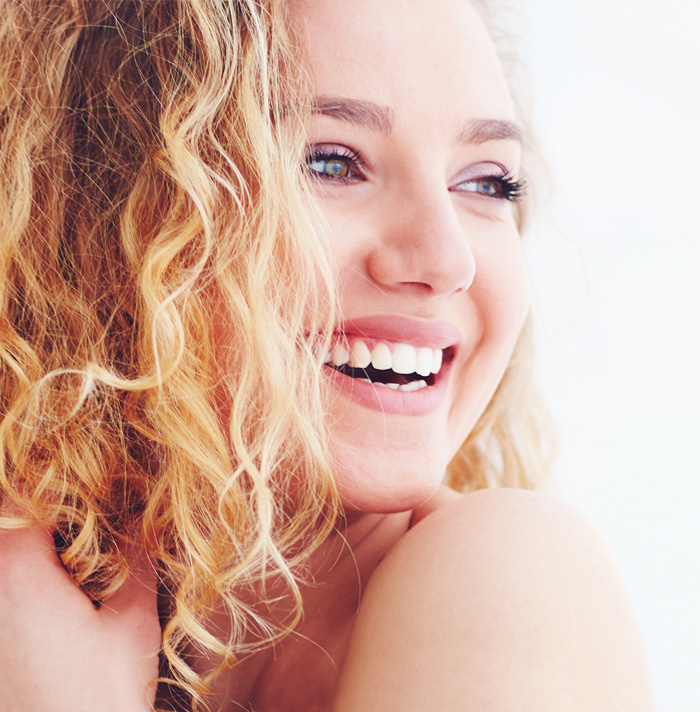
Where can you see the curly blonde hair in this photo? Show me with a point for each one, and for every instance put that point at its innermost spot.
(159, 283)
(150, 222)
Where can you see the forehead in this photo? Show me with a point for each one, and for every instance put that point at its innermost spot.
(429, 55)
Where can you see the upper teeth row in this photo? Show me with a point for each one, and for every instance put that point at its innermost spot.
(403, 359)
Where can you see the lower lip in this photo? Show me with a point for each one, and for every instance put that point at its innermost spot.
(387, 400)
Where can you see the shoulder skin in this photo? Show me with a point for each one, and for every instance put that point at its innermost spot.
(501, 601)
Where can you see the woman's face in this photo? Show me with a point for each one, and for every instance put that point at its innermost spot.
(413, 161)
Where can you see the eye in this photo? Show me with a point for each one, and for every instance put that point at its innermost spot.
(334, 167)
(334, 163)
(498, 187)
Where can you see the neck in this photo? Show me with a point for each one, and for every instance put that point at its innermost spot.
(301, 670)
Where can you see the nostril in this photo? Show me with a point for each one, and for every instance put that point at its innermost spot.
(417, 287)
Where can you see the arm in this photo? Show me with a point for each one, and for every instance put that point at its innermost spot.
(57, 651)
(501, 601)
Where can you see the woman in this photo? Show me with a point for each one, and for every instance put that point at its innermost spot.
(191, 455)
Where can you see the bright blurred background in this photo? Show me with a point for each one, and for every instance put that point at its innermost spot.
(615, 263)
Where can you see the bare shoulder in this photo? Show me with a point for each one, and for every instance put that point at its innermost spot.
(503, 521)
(498, 600)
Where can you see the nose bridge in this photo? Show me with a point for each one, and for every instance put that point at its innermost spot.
(424, 243)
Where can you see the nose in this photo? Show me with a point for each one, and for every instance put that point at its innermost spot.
(422, 247)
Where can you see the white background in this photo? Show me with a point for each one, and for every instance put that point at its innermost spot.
(615, 264)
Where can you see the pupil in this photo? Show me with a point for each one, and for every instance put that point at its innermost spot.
(337, 168)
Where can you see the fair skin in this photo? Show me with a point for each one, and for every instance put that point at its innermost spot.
(59, 652)
(414, 237)
(424, 601)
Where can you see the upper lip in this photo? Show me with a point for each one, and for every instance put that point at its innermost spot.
(403, 330)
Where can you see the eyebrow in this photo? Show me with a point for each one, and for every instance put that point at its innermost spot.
(360, 113)
(485, 130)
(379, 118)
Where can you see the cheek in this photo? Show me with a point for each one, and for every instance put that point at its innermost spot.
(504, 293)
(350, 233)
(500, 298)
(341, 234)
(501, 288)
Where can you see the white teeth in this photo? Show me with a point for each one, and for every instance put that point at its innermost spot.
(424, 361)
(381, 357)
(393, 386)
(360, 356)
(339, 355)
(404, 359)
(437, 361)
(412, 386)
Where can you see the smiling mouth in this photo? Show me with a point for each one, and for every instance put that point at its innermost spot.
(399, 367)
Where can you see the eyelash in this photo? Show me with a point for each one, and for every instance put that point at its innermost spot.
(339, 154)
(507, 187)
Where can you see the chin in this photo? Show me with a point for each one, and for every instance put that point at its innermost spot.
(386, 502)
